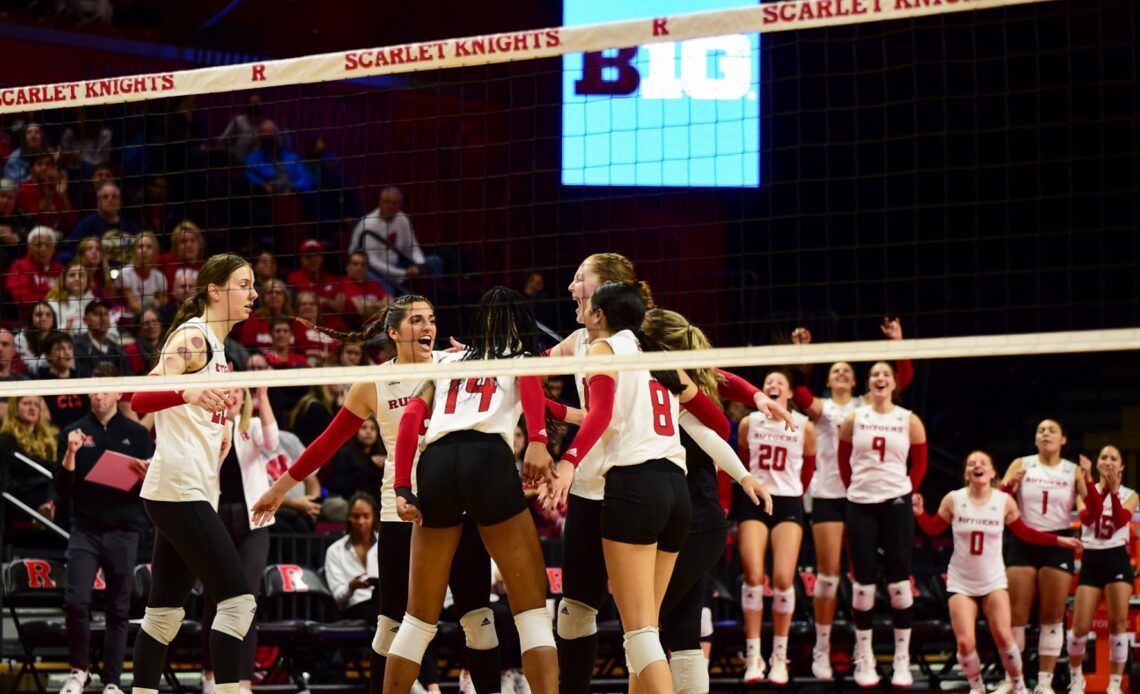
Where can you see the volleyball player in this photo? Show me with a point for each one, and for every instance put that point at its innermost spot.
(409, 323)
(978, 514)
(181, 488)
(1047, 488)
(468, 466)
(783, 461)
(874, 443)
(646, 506)
(1106, 517)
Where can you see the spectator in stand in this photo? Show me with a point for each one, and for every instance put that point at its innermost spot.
(185, 280)
(311, 277)
(107, 223)
(105, 526)
(240, 135)
(274, 303)
(314, 412)
(69, 297)
(84, 145)
(338, 205)
(541, 304)
(28, 431)
(59, 351)
(14, 224)
(362, 298)
(11, 368)
(386, 236)
(271, 168)
(264, 269)
(89, 253)
(29, 278)
(141, 284)
(87, 198)
(187, 250)
(30, 340)
(359, 465)
(351, 354)
(351, 566)
(282, 355)
(140, 353)
(153, 205)
(44, 195)
(17, 167)
(96, 345)
(311, 342)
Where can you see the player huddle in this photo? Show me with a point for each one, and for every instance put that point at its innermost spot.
(642, 515)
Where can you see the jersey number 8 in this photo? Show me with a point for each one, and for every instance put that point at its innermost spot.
(662, 413)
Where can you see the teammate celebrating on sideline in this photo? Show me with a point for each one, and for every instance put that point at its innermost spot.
(181, 489)
(978, 513)
(409, 322)
(1106, 516)
(1047, 487)
(874, 443)
(783, 461)
(468, 467)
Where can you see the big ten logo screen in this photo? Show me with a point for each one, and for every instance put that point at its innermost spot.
(683, 113)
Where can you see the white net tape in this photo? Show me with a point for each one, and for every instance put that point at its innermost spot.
(1088, 341)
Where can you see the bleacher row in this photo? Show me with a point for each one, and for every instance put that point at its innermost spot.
(298, 619)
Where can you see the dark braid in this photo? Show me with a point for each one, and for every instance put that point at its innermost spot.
(386, 319)
(624, 307)
(503, 327)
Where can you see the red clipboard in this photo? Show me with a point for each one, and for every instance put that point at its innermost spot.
(114, 470)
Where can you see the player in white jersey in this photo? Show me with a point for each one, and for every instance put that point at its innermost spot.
(180, 492)
(978, 515)
(646, 506)
(874, 443)
(1106, 519)
(468, 467)
(1047, 488)
(783, 461)
(409, 322)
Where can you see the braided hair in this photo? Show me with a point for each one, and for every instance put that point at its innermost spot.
(385, 320)
(503, 327)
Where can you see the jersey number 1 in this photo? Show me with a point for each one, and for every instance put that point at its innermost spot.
(484, 387)
(662, 413)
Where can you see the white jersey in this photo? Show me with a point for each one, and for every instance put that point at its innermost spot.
(490, 405)
(775, 455)
(880, 445)
(391, 399)
(644, 423)
(1103, 534)
(977, 567)
(588, 480)
(827, 482)
(1047, 493)
(188, 440)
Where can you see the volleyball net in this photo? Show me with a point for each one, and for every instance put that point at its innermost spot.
(969, 166)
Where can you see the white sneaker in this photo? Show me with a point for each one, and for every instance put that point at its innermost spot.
(866, 676)
(1019, 688)
(75, 682)
(821, 665)
(418, 688)
(112, 689)
(1077, 686)
(507, 682)
(521, 685)
(978, 691)
(1113, 690)
(465, 685)
(778, 670)
(900, 676)
(754, 672)
(1004, 687)
(1043, 689)
(208, 685)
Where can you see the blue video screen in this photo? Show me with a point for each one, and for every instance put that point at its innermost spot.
(684, 114)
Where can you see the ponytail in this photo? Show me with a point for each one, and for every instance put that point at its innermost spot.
(667, 378)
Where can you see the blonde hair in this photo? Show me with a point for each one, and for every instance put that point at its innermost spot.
(39, 441)
(247, 412)
(615, 267)
(58, 291)
(187, 227)
(673, 332)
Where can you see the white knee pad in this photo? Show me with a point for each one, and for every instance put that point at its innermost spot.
(479, 629)
(752, 598)
(706, 623)
(690, 672)
(901, 597)
(643, 648)
(826, 587)
(1076, 645)
(163, 623)
(386, 630)
(576, 619)
(235, 615)
(862, 597)
(1118, 648)
(535, 630)
(784, 601)
(1051, 639)
(412, 639)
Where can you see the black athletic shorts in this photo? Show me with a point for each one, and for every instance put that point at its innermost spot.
(785, 509)
(1019, 553)
(646, 504)
(1099, 567)
(828, 510)
(472, 472)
